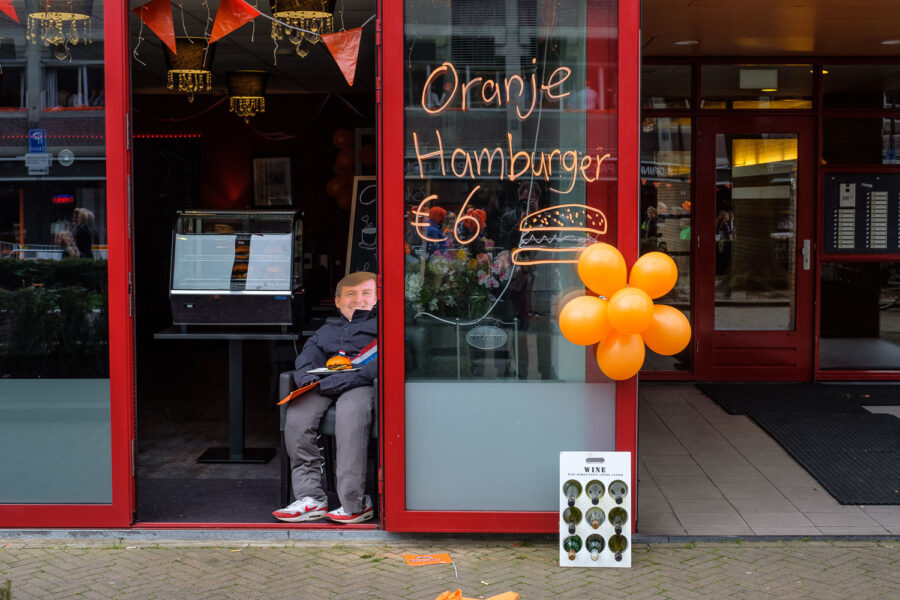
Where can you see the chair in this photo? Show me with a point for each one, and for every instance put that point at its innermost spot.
(326, 430)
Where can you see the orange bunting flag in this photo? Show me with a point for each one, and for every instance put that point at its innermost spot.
(457, 595)
(231, 15)
(415, 560)
(157, 15)
(7, 7)
(344, 47)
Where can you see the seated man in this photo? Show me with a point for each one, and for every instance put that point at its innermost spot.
(353, 395)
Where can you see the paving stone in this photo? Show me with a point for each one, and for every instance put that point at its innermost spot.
(300, 571)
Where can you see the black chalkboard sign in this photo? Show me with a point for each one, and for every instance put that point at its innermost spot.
(862, 213)
(362, 242)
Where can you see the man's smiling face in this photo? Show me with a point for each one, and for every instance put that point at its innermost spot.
(357, 297)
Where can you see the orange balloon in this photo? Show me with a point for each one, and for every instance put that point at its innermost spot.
(621, 355)
(334, 186)
(342, 138)
(344, 199)
(583, 320)
(630, 310)
(602, 269)
(344, 162)
(669, 332)
(655, 273)
(367, 155)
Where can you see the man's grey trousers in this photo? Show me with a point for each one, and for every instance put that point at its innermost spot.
(353, 419)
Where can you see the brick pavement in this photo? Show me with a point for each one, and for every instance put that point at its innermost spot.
(375, 569)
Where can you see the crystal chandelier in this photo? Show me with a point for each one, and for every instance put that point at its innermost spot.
(189, 71)
(312, 15)
(54, 27)
(246, 91)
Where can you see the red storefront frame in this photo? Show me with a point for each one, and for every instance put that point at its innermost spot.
(391, 474)
(391, 144)
(121, 343)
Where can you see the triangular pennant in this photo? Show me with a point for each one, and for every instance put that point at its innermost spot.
(231, 15)
(157, 15)
(7, 7)
(344, 47)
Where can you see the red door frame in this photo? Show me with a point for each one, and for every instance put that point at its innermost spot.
(391, 144)
(121, 346)
(754, 355)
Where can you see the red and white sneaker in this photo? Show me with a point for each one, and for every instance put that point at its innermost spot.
(342, 516)
(304, 509)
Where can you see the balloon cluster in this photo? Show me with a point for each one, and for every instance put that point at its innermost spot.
(624, 318)
(340, 187)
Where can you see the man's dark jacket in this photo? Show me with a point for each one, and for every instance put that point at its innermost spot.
(331, 338)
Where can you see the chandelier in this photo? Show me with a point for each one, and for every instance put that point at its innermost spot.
(312, 15)
(246, 92)
(54, 27)
(190, 70)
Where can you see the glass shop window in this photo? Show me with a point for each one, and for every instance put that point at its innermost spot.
(861, 86)
(866, 141)
(777, 87)
(510, 172)
(665, 224)
(666, 86)
(12, 88)
(75, 86)
(54, 330)
(860, 317)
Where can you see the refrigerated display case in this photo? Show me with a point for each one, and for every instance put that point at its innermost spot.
(236, 268)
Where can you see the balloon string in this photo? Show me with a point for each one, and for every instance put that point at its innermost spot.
(138, 45)
(261, 14)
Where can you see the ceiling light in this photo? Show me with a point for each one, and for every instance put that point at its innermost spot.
(769, 90)
(247, 91)
(891, 43)
(190, 70)
(302, 16)
(689, 43)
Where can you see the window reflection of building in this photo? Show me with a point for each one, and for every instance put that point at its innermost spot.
(53, 209)
(666, 215)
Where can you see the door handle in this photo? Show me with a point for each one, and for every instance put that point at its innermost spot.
(805, 251)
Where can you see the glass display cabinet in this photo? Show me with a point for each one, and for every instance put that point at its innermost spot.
(236, 268)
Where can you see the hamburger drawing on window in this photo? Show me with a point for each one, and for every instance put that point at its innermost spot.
(558, 234)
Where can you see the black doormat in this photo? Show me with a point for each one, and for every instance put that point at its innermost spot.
(207, 500)
(852, 453)
(214, 500)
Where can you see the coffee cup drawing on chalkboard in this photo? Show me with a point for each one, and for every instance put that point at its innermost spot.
(368, 238)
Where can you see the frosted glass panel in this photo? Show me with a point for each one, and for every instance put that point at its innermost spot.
(495, 446)
(203, 262)
(54, 440)
(270, 263)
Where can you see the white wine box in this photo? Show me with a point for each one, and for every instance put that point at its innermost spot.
(595, 509)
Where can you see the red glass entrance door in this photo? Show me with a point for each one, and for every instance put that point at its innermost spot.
(755, 247)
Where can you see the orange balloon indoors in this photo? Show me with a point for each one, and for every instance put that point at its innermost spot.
(630, 310)
(621, 355)
(342, 138)
(655, 273)
(583, 320)
(669, 332)
(602, 269)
